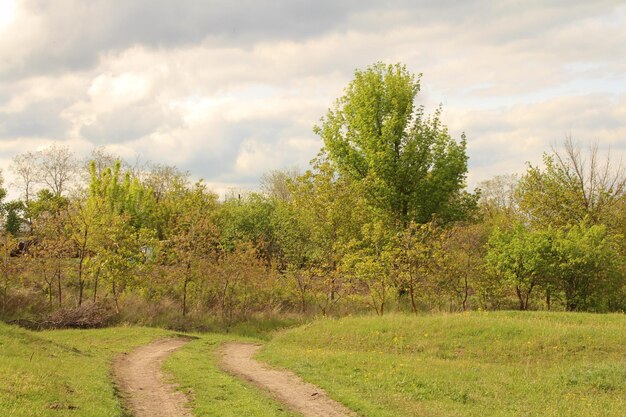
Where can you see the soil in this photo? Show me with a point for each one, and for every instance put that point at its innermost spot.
(285, 386)
(140, 380)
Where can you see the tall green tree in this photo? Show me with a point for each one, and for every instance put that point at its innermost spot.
(407, 163)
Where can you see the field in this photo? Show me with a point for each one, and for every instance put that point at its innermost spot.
(68, 373)
(216, 393)
(479, 364)
(53, 373)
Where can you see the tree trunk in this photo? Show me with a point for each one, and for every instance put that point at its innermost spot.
(223, 300)
(520, 298)
(48, 281)
(302, 287)
(185, 297)
(95, 286)
(59, 289)
(466, 284)
(117, 306)
(412, 295)
(187, 278)
(80, 280)
(5, 289)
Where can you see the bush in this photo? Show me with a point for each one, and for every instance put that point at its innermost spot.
(86, 316)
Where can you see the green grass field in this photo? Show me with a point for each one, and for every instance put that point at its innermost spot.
(214, 392)
(68, 373)
(480, 364)
(65, 372)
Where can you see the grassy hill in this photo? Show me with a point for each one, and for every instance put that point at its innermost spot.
(479, 364)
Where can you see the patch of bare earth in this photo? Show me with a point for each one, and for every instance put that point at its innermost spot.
(140, 380)
(285, 386)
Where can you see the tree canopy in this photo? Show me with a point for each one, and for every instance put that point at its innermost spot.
(405, 161)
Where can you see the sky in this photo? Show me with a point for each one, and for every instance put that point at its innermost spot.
(230, 90)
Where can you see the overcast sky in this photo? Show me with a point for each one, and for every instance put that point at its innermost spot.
(229, 90)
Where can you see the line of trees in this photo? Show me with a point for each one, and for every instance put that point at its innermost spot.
(381, 221)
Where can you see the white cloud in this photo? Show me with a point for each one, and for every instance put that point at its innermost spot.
(229, 92)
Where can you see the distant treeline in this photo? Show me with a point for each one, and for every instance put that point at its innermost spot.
(382, 220)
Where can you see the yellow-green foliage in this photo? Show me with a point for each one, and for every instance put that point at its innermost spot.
(479, 364)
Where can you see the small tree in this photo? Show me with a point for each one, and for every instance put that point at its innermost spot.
(330, 214)
(192, 236)
(8, 267)
(276, 184)
(57, 168)
(25, 167)
(14, 216)
(53, 245)
(522, 258)
(417, 254)
(572, 187)
(120, 240)
(587, 266)
(369, 262)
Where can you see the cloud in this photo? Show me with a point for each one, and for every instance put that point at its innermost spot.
(129, 124)
(39, 119)
(503, 140)
(71, 34)
(230, 90)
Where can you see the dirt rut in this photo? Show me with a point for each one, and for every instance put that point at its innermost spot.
(140, 380)
(285, 386)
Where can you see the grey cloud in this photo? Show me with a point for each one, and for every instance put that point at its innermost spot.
(503, 140)
(74, 33)
(474, 54)
(40, 119)
(129, 123)
(209, 163)
(212, 148)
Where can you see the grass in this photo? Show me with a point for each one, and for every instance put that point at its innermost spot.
(480, 364)
(501, 364)
(63, 372)
(216, 393)
(68, 373)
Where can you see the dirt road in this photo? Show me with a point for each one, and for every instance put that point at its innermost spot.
(285, 386)
(140, 380)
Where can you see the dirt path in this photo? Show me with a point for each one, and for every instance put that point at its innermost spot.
(285, 386)
(140, 379)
